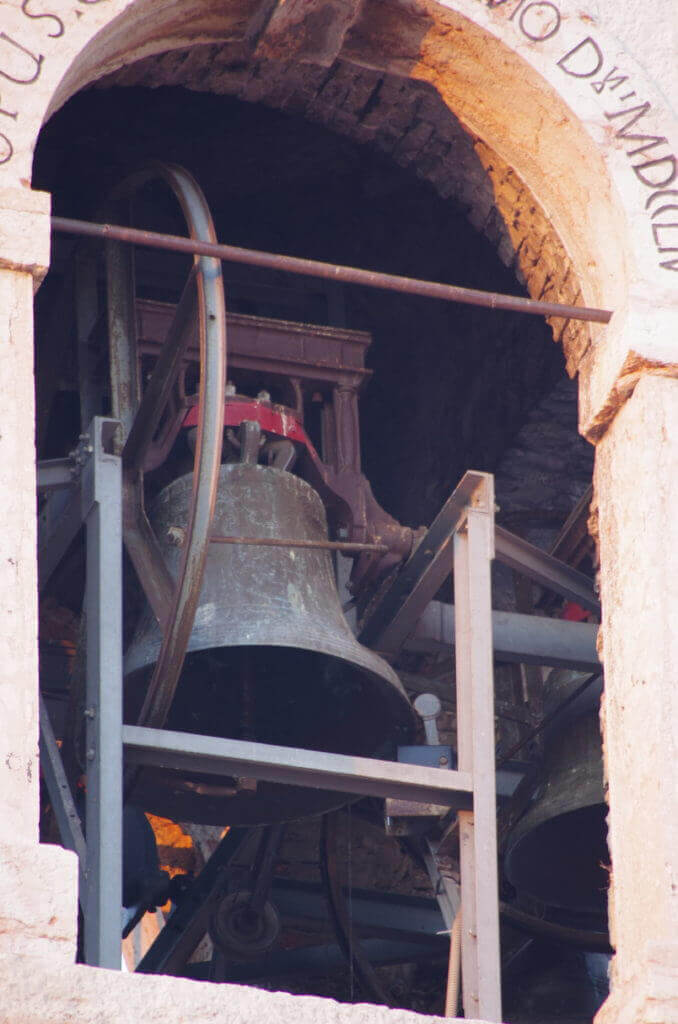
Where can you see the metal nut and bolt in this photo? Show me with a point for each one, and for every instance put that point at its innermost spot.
(176, 535)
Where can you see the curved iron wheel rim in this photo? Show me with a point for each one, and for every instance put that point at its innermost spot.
(212, 343)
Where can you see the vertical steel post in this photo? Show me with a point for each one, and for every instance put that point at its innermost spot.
(102, 514)
(473, 553)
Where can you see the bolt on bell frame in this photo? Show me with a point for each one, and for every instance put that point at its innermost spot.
(103, 486)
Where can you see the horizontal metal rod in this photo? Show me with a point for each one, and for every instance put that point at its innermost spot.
(526, 639)
(284, 542)
(180, 751)
(328, 271)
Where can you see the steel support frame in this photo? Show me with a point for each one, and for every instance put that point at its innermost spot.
(472, 786)
(97, 492)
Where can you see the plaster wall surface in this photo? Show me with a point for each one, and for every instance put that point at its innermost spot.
(636, 480)
(559, 133)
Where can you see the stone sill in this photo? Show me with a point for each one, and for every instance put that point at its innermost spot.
(37, 990)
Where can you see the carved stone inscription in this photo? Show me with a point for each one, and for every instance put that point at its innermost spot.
(21, 63)
(651, 159)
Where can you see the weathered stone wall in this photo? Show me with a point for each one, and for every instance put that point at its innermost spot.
(545, 470)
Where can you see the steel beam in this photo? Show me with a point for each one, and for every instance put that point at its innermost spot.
(421, 577)
(526, 639)
(54, 473)
(445, 890)
(399, 608)
(544, 569)
(365, 776)
(480, 952)
(188, 922)
(102, 512)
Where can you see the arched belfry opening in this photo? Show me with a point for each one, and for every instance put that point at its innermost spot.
(355, 166)
(277, 181)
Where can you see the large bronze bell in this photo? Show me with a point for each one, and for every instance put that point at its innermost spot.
(271, 657)
(557, 852)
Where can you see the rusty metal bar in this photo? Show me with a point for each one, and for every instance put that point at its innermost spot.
(280, 542)
(328, 271)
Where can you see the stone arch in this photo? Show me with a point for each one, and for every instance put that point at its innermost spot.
(499, 74)
(556, 103)
(571, 176)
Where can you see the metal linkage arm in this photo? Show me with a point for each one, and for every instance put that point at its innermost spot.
(55, 473)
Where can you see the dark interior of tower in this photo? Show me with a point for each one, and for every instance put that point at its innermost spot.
(351, 414)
